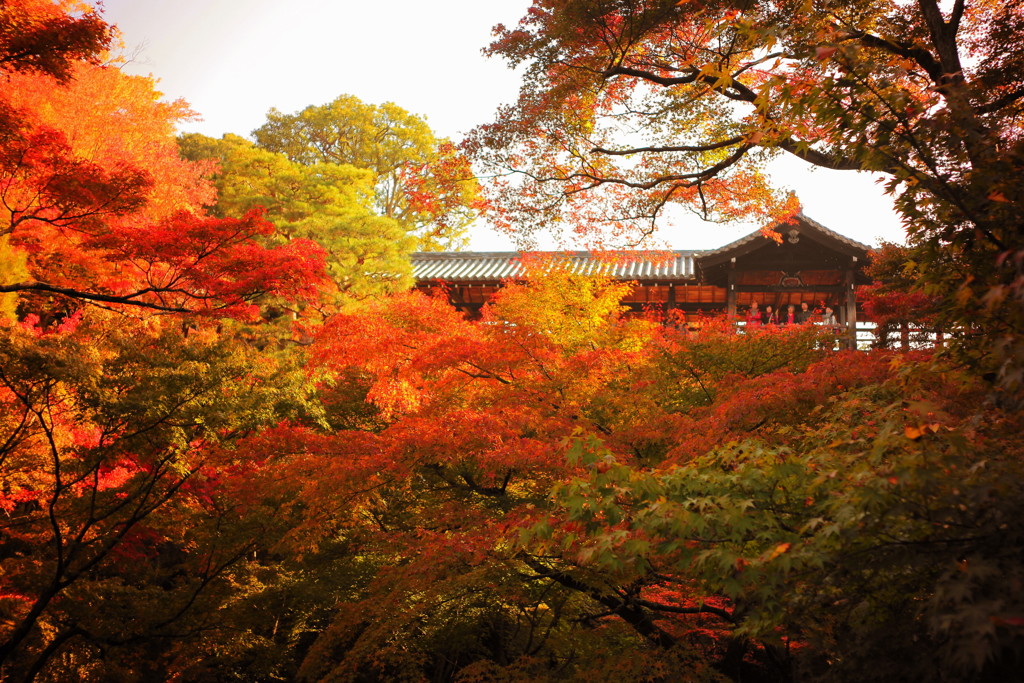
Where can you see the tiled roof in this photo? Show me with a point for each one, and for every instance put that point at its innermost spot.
(502, 265)
(664, 266)
(809, 222)
(833, 234)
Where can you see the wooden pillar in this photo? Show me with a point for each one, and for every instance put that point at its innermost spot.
(670, 301)
(456, 298)
(851, 304)
(730, 291)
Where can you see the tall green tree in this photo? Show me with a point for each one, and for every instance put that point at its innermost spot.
(421, 181)
(329, 203)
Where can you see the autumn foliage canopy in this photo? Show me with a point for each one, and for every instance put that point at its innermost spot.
(195, 486)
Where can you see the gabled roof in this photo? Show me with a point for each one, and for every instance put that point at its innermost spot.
(649, 266)
(810, 222)
(803, 225)
(469, 266)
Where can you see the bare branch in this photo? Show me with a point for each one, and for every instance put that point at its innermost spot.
(675, 609)
(676, 148)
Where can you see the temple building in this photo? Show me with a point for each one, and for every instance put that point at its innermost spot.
(811, 263)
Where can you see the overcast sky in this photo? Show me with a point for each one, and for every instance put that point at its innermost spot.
(232, 60)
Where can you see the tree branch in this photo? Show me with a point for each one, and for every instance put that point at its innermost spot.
(997, 104)
(667, 81)
(627, 610)
(922, 57)
(127, 299)
(813, 156)
(677, 148)
(956, 15)
(674, 609)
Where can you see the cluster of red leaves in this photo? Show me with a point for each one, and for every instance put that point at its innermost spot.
(212, 265)
(43, 181)
(746, 406)
(884, 304)
(116, 219)
(44, 37)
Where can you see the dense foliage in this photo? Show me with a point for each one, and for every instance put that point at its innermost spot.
(195, 488)
(424, 183)
(328, 203)
(433, 498)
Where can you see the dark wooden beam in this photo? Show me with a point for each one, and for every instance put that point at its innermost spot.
(831, 289)
(851, 303)
(730, 292)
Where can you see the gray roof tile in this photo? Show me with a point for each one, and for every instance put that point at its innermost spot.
(478, 266)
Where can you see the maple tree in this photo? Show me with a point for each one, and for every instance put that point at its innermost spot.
(50, 37)
(628, 108)
(423, 182)
(873, 544)
(554, 492)
(557, 492)
(118, 101)
(694, 90)
(117, 429)
(893, 303)
(530, 500)
(445, 437)
(116, 219)
(117, 437)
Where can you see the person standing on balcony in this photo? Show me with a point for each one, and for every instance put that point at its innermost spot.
(804, 314)
(754, 316)
(829, 319)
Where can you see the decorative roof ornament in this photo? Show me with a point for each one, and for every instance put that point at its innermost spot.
(791, 280)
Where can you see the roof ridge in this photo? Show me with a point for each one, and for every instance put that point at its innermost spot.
(580, 252)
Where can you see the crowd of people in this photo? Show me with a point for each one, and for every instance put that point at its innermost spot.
(791, 315)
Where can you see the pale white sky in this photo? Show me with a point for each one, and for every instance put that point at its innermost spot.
(232, 60)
